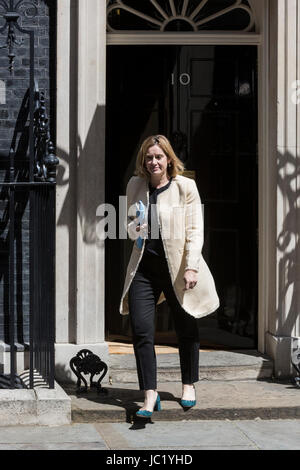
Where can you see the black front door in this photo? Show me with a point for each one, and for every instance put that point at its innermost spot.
(204, 99)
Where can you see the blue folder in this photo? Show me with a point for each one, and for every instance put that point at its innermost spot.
(140, 213)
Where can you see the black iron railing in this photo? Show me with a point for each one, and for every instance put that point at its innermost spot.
(37, 182)
(42, 248)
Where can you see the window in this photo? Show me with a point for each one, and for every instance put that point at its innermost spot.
(179, 15)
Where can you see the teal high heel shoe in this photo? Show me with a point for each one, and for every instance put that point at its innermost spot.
(148, 414)
(188, 403)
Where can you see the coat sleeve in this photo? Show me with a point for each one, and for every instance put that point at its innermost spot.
(194, 236)
(131, 221)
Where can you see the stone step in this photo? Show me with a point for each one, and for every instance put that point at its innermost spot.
(213, 365)
(40, 406)
(216, 400)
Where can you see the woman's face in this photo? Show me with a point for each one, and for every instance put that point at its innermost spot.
(156, 161)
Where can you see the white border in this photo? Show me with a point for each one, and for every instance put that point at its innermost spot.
(264, 183)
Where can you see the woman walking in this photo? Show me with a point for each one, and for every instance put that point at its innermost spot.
(165, 222)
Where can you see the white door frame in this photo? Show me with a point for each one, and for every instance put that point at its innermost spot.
(264, 181)
(192, 38)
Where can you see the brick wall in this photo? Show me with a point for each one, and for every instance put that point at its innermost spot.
(14, 132)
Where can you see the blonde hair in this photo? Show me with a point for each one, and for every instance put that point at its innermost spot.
(176, 166)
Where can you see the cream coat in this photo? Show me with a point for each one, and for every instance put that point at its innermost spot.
(181, 224)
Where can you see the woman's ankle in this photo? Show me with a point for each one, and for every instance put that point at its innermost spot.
(188, 391)
(150, 392)
(150, 397)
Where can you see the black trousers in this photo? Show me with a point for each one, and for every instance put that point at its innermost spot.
(151, 278)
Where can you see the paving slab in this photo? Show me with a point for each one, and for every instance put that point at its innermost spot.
(56, 446)
(203, 435)
(280, 435)
(68, 437)
(197, 448)
(266, 399)
(179, 435)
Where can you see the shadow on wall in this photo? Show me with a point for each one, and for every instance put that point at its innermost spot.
(86, 165)
(63, 374)
(20, 166)
(81, 164)
(287, 243)
(83, 167)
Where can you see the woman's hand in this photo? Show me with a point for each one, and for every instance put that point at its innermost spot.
(143, 229)
(190, 279)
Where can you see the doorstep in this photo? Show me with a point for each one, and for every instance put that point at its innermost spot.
(232, 385)
(216, 400)
(213, 365)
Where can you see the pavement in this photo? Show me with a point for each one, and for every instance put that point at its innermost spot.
(229, 415)
(253, 411)
(163, 437)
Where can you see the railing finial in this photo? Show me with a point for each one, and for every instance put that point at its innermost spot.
(11, 16)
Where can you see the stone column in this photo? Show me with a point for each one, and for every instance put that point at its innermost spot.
(81, 58)
(284, 320)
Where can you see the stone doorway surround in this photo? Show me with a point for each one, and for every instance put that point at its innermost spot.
(80, 283)
(282, 291)
(81, 59)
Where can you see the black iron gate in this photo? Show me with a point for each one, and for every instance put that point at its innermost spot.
(30, 178)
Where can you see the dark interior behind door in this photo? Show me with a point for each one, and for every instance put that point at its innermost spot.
(204, 99)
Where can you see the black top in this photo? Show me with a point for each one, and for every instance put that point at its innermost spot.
(154, 245)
